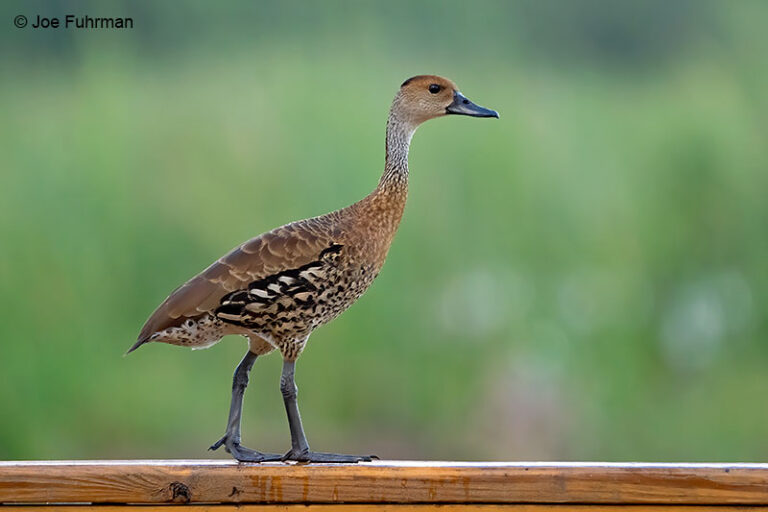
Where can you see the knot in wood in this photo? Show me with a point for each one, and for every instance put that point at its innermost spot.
(180, 493)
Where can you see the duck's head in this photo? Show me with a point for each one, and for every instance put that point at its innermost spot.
(426, 97)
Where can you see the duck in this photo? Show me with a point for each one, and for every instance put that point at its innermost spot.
(277, 288)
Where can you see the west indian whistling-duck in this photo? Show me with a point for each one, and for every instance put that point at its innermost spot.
(277, 288)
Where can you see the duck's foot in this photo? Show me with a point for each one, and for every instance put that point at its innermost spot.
(243, 454)
(308, 456)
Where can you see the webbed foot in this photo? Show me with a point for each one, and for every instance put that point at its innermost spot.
(308, 456)
(243, 454)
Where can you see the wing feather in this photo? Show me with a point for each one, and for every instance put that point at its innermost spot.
(284, 248)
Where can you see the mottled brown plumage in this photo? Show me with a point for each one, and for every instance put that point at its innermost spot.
(281, 285)
(277, 288)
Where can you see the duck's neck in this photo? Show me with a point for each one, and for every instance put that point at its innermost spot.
(399, 133)
(378, 214)
(383, 208)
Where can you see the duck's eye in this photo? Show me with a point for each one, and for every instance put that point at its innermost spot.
(434, 88)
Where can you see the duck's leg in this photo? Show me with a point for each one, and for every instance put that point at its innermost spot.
(231, 439)
(299, 447)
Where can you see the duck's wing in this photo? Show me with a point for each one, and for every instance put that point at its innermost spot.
(284, 248)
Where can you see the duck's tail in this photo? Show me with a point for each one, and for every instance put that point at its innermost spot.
(142, 340)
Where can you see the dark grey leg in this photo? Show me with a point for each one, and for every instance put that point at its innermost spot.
(231, 439)
(299, 444)
(299, 447)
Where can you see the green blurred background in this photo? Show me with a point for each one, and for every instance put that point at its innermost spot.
(586, 278)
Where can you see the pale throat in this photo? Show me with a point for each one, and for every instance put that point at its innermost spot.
(399, 134)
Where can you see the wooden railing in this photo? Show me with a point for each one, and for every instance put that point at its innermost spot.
(216, 486)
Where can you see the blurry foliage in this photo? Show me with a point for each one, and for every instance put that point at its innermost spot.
(584, 279)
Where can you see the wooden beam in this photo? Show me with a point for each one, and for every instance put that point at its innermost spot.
(220, 482)
(349, 507)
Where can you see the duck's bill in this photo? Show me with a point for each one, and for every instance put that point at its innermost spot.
(462, 106)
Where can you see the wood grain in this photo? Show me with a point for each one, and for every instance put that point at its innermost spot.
(349, 507)
(169, 482)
